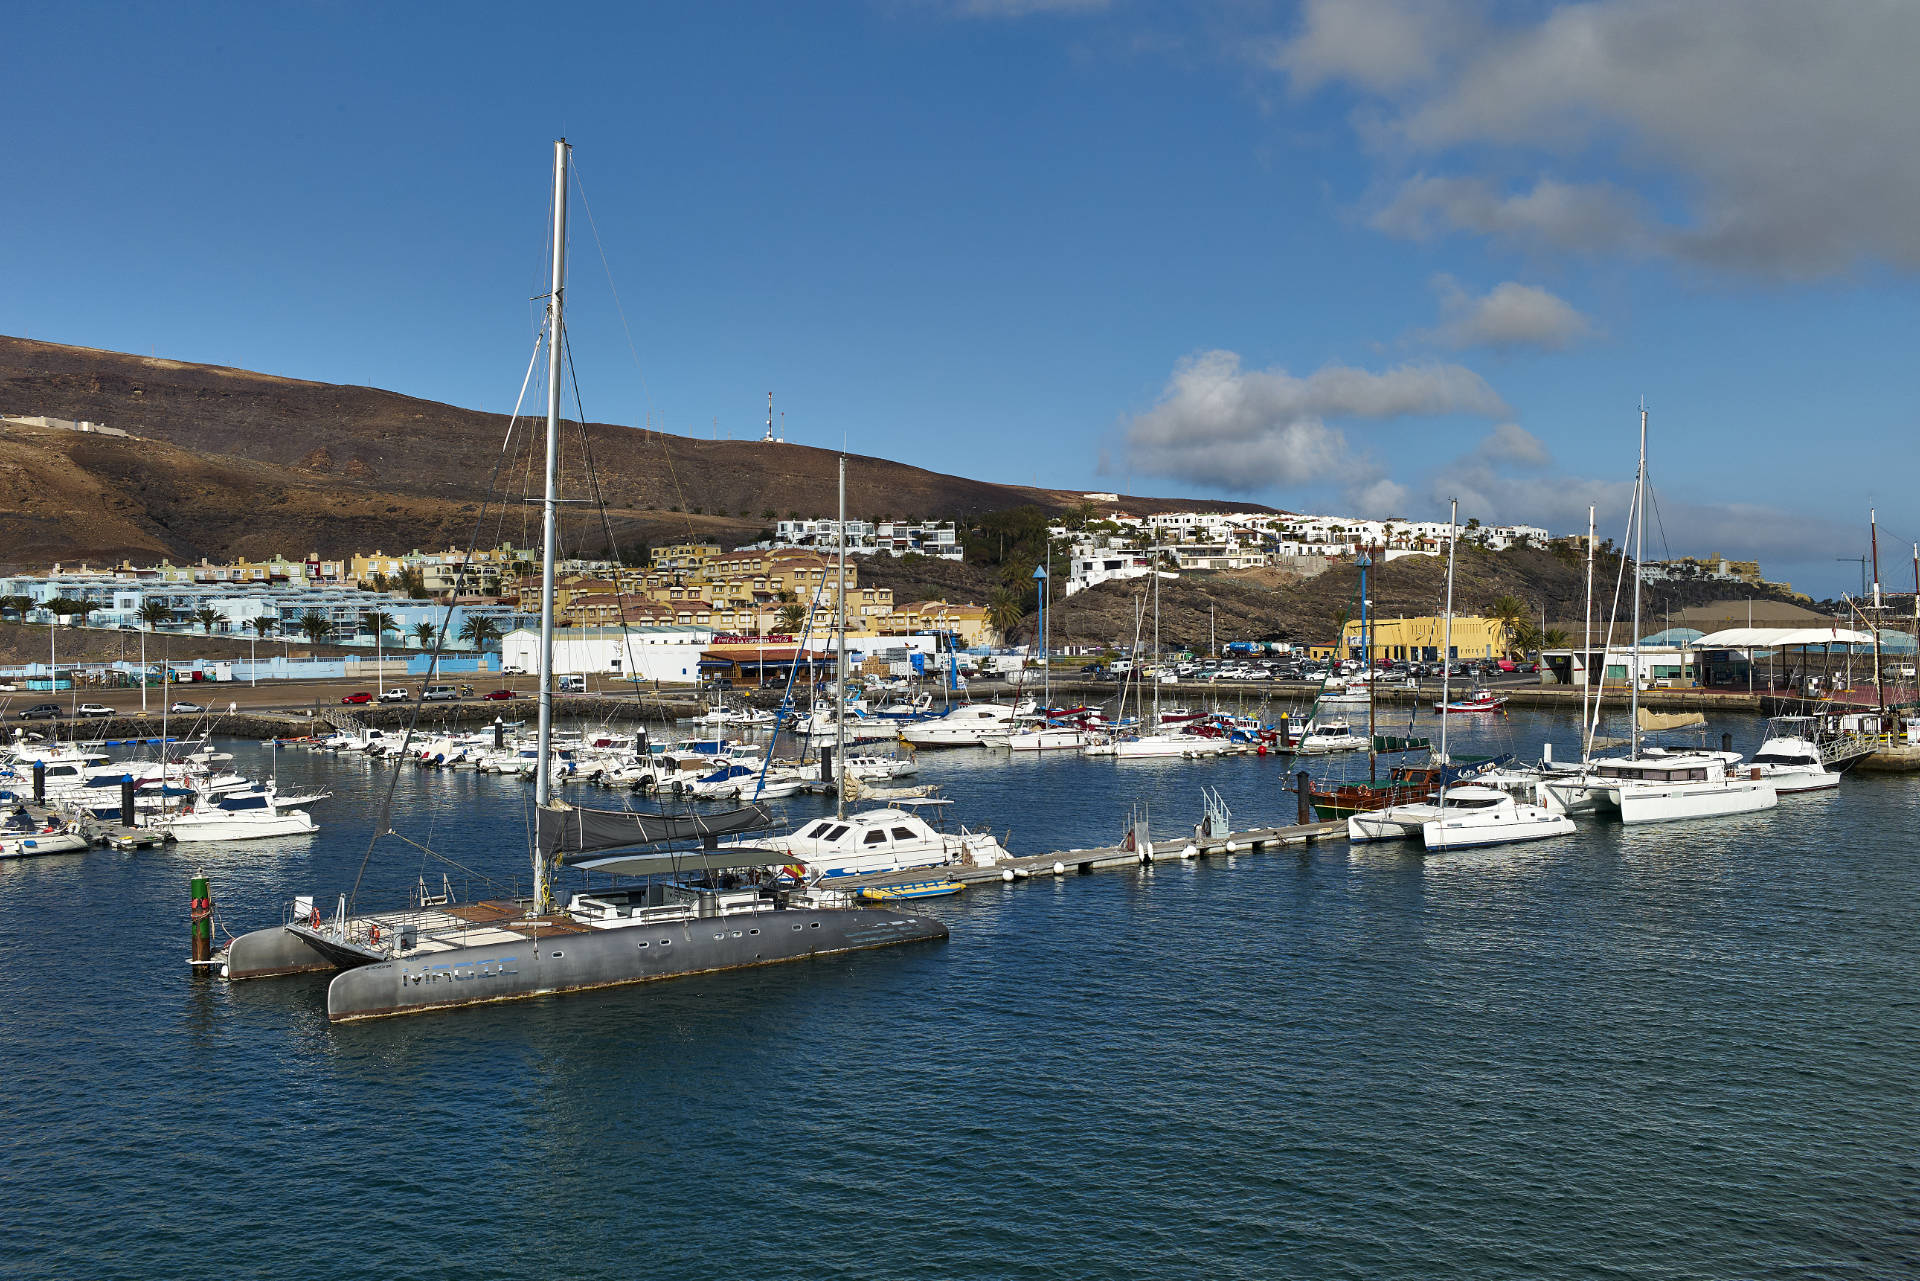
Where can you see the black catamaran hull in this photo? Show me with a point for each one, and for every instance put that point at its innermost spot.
(574, 962)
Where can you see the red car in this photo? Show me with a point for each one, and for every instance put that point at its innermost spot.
(360, 697)
(499, 695)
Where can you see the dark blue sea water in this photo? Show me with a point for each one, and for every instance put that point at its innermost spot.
(1687, 1051)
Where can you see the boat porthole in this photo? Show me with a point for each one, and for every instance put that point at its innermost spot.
(720, 936)
(813, 925)
(753, 931)
(639, 944)
(796, 927)
(557, 955)
(736, 933)
(665, 942)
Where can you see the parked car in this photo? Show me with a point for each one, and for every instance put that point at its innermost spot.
(438, 694)
(499, 695)
(94, 709)
(398, 694)
(181, 705)
(42, 712)
(358, 696)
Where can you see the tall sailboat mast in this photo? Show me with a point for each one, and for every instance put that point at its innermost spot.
(549, 510)
(1879, 684)
(1639, 548)
(1586, 652)
(1446, 646)
(840, 652)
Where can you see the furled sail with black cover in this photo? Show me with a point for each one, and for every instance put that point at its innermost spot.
(565, 829)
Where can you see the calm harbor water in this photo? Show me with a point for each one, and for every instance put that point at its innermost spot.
(1686, 1051)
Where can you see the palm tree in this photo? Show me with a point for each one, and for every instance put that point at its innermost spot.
(480, 629)
(261, 626)
(1003, 610)
(16, 605)
(1510, 612)
(1556, 638)
(315, 626)
(207, 616)
(424, 633)
(791, 617)
(155, 612)
(379, 622)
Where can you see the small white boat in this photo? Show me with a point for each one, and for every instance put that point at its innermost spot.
(878, 769)
(241, 816)
(21, 837)
(882, 840)
(1504, 822)
(1050, 738)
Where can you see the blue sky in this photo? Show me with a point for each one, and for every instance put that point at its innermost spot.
(1344, 256)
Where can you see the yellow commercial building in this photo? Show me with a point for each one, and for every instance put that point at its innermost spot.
(1421, 638)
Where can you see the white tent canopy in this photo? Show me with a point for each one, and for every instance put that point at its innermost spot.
(1781, 637)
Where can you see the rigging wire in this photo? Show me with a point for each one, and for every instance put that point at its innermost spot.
(383, 823)
(646, 392)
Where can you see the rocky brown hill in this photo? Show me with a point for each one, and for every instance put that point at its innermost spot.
(228, 462)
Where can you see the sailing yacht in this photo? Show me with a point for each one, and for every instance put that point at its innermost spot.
(681, 911)
(1662, 786)
(1458, 816)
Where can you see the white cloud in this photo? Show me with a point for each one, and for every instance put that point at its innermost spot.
(1243, 430)
(1588, 217)
(1512, 445)
(1773, 135)
(1508, 317)
(1380, 498)
(1377, 44)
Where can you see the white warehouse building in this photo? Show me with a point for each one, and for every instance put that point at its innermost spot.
(641, 653)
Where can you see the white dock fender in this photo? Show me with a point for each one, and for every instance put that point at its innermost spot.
(1059, 869)
(1006, 874)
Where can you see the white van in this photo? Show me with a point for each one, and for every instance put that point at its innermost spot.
(571, 684)
(439, 694)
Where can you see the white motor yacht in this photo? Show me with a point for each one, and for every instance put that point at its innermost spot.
(968, 725)
(1790, 758)
(882, 840)
(241, 816)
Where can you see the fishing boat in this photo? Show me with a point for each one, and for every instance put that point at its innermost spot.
(1480, 700)
(679, 911)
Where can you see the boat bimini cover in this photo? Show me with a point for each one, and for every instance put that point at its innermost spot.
(565, 829)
